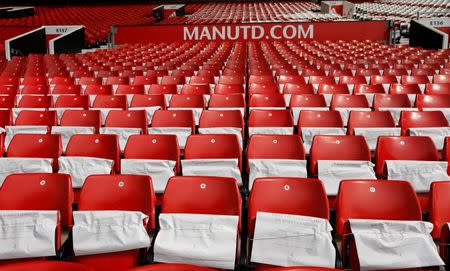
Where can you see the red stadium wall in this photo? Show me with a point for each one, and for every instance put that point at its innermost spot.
(7, 32)
(367, 30)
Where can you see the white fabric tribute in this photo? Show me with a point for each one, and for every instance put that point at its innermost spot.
(419, 173)
(122, 133)
(16, 111)
(394, 244)
(260, 168)
(22, 129)
(159, 170)
(182, 133)
(308, 134)
(438, 134)
(205, 240)
(67, 132)
(27, 234)
(212, 167)
(292, 240)
(60, 111)
(371, 134)
(10, 166)
(332, 172)
(96, 232)
(104, 112)
(81, 167)
(270, 131)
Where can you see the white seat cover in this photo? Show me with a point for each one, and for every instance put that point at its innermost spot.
(22, 129)
(308, 134)
(394, 244)
(270, 131)
(104, 112)
(159, 170)
(66, 132)
(205, 240)
(150, 110)
(182, 133)
(345, 112)
(296, 111)
(292, 240)
(332, 172)
(396, 111)
(371, 134)
(96, 232)
(260, 168)
(223, 130)
(81, 167)
(122, 133)
(197, 112)
(419, 173)
(212, 167)
(23, 165)
(445, 111)
(438, 134)
(27, 234)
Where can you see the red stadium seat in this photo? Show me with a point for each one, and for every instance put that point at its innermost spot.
(135, 194)
(29, 101)
(127, 119)
(31, 117)
(38, 191)
(307, 100)
(76, 101)
(267, 100)
(394, 200)
(422, 119)
(439, 207)
(270, 121)
(45, 266)
(88, 118)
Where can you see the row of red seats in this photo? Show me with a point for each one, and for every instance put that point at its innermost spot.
(395, 200)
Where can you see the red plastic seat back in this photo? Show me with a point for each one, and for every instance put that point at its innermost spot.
(368, 119)
(368, 89)
(130, 89)
(91, 118)
(173, 118)
(159, 147)
(337, 147)
(195, 89)
(98, 90)
(31, 117)
(141, 100)
(45, 266)
(440, 206)
(38, 191)
(342, 100)
(270, 118)
(388, 100)
(433, 100)
(79, 101)
(404, 89)
(377, 199)
(162, 89)
(227, 100)
(422, 119)
(420, 148)
(267, 100)
(7, 101)
(221, 118)
(311, 118)
(357, 79)
(110, 101)
(213, 146)
(127, 119)
(187, 101)
(5, 118)
(118, 192)
(308, 100)
(295, 196)
(290, 88)
(333, 89)
(31, 101)
(100, 146)
(275, 147)
(202, 195)
(436, 88)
